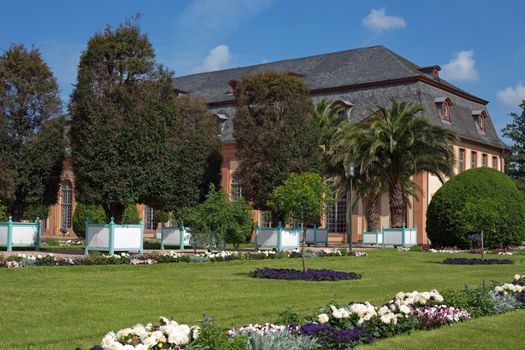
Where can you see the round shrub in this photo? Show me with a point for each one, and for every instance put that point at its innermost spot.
(493, 194)
(131, 215)
(93, 212)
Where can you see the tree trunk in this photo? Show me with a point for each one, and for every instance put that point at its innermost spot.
(482, 246)
(374, 216)
(303, 244)
(115, 211)
(395, 196)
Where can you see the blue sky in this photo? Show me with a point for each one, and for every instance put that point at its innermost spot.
(479, 44)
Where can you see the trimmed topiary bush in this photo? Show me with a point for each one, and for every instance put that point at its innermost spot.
(447, 224)
(95, 213)
(131, 215)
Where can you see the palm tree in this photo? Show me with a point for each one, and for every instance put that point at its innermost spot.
(328, 118)
(404, 143)
(350, 145)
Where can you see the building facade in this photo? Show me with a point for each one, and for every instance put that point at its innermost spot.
(356, 79)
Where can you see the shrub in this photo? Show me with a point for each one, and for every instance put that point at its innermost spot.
(476, 301)
(131, 215)
(93, 212)
(280, 341)
(504, 302)
(446, 224)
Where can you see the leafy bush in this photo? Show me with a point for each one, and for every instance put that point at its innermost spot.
(448, 226)
(3, 213)
(288, 317)
(218, 220)
(212, 337)
(131, 215)
(93, 212)
(476, 301)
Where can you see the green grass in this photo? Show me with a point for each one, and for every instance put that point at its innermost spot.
(63, 307)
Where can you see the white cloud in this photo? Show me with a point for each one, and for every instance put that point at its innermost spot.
(211, 19)
(512, 95)
(462, 67)
(378, 21)
(218, 58)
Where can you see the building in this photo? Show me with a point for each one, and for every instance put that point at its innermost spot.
(356, 79)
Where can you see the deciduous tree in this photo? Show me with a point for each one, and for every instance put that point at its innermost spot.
(275, 133)
(32, 139)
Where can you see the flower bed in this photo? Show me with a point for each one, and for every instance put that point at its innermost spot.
(477, 261)
(22, 260)
(329, 327)
(310, 275)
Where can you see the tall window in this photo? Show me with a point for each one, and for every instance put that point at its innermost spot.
(67, 205)
(336, 216)
(445, 111)
(495, 162)
(149, 218)
(236, 188)
(461, 165)
(473, 160)
(484, 160)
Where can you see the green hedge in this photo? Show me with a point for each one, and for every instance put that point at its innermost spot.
(95, 213)
(447, 224)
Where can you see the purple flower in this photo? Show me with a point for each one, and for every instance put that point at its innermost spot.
(477, 261)
(332, 338)
(475, 237)
(310, 275)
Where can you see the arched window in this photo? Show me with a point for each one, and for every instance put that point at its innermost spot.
(480, 117)
(66, 195)
(444, 105)
(149, 218)
(236, 188)
(336, 216)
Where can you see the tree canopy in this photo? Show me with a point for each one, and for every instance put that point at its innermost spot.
(32, 139)
(304, 198)
(392, 146)
(133, 139)
(515, 131)
(275, 133)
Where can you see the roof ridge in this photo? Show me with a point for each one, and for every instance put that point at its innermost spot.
(284, 60)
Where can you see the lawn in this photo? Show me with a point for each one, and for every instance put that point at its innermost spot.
(64, 307)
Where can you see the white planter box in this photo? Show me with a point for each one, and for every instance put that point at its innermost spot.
(373, 237)
(175, 236)
(400, 236)
(317, 235)
(278, 238)
(113, 237)
(20, 234)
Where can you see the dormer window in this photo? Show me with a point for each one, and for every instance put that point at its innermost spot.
(344, 108)
(432, 71)
(444, 104)
(480, 118)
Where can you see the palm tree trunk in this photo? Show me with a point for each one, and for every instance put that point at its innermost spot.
(374, 218)
(395, 196)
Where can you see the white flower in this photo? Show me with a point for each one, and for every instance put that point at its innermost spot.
(517, 277)
(323, 318)
(335, 312)
(404, 309)
(359, 309)
(196, 332)
(108, 340)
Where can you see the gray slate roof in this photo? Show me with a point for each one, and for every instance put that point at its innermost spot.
(332, 70)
